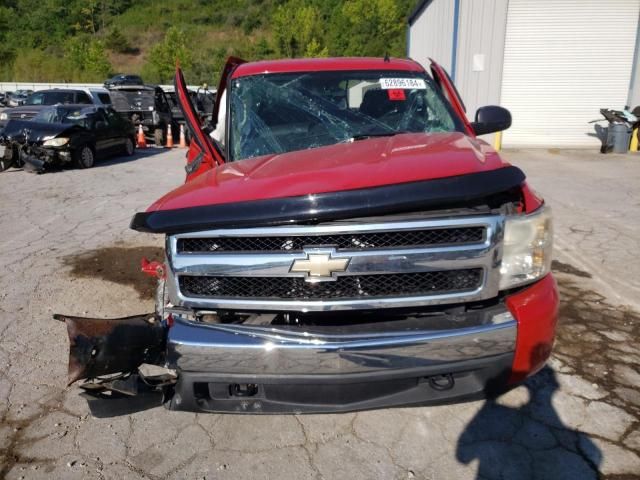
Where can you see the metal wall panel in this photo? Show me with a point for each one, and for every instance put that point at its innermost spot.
(431, 34)
(481, 32)
(634, 89)
(563, 61)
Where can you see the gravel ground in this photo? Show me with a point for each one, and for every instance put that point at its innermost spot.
(66, 248)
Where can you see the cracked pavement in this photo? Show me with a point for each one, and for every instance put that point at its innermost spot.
(579, 418)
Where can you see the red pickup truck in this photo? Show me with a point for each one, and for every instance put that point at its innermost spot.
(343, 241)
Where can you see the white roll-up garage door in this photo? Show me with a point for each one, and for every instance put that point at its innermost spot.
(563, 61)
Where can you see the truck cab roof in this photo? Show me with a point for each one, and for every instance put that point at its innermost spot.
(325, 64)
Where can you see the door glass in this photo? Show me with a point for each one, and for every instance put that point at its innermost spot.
(82, 97)
(112, 117)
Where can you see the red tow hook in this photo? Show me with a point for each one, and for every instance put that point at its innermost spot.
(153, 269)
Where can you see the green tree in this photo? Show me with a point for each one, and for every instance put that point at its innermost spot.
(87, 59)
(35, 65)
(315, 50)
(367, 28)
(96, 64)
(296, 24)
(7, 53)
(161, 62)
(116, 41)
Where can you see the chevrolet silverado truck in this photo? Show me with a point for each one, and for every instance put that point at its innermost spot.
(343, 241)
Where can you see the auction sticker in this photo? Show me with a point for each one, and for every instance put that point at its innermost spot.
(403, 83)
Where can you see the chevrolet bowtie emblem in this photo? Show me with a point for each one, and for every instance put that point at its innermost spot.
(320, 266)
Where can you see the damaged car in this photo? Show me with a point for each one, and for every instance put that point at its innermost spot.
(344, 240)
(64, 135)
(35, 102)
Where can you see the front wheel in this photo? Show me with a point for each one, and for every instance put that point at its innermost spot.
(84, 157)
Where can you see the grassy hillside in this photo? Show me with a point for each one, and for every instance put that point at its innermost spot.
(86, 40)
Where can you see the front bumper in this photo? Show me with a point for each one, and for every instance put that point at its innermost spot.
(38, 158)
(421, 359)
(245, 369)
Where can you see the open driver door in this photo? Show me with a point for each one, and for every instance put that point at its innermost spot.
(203, 153)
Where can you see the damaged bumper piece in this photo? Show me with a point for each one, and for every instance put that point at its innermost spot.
(257, 369)
(109, 352)
(38, 158)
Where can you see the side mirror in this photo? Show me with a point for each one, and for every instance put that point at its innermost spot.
(491, 119)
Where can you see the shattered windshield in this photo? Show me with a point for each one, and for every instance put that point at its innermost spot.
(278, 113)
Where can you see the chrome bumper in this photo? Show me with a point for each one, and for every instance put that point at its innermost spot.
(261, 351)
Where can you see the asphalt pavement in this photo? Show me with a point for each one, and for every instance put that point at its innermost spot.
(65, 247)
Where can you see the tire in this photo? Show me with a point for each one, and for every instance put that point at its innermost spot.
(129, 147)
(8, 160)
(84, 157)
(17, 161)
(158, 137)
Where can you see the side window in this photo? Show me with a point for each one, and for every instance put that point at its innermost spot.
(97, 116)
(161, 102)
(36, 99)
(104, 98)
(112, 117)
(64, 98)
(82, 97)
(444, 90)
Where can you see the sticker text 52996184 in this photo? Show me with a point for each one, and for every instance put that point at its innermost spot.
(403, 83)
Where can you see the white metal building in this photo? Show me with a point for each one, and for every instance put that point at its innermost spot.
(552, 63)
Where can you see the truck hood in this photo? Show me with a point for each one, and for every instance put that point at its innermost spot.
(347, 166)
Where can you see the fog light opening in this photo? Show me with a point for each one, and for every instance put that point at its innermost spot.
(442, 382)
(243, 389)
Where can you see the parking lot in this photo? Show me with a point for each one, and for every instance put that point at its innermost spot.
(66, 248)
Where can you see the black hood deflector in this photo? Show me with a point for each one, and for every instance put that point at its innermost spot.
(459, 191)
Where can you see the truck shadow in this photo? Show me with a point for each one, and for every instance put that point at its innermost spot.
(522, 434)
(528, 440)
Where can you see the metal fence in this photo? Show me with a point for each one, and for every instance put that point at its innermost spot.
(13, 86)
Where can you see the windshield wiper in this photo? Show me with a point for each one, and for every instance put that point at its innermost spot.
(363, 136)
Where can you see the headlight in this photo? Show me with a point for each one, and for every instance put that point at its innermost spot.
(4, 116)
(528, 244)
(56, 142)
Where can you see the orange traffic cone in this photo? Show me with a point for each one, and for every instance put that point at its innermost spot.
(183, 140)
(169, 137)
(142, 142)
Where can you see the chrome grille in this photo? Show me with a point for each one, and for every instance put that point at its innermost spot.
(394, 263)
(348, 287)
(352, 241)
(21, 115)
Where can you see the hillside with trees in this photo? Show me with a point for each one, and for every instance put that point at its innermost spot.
(87, 40)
